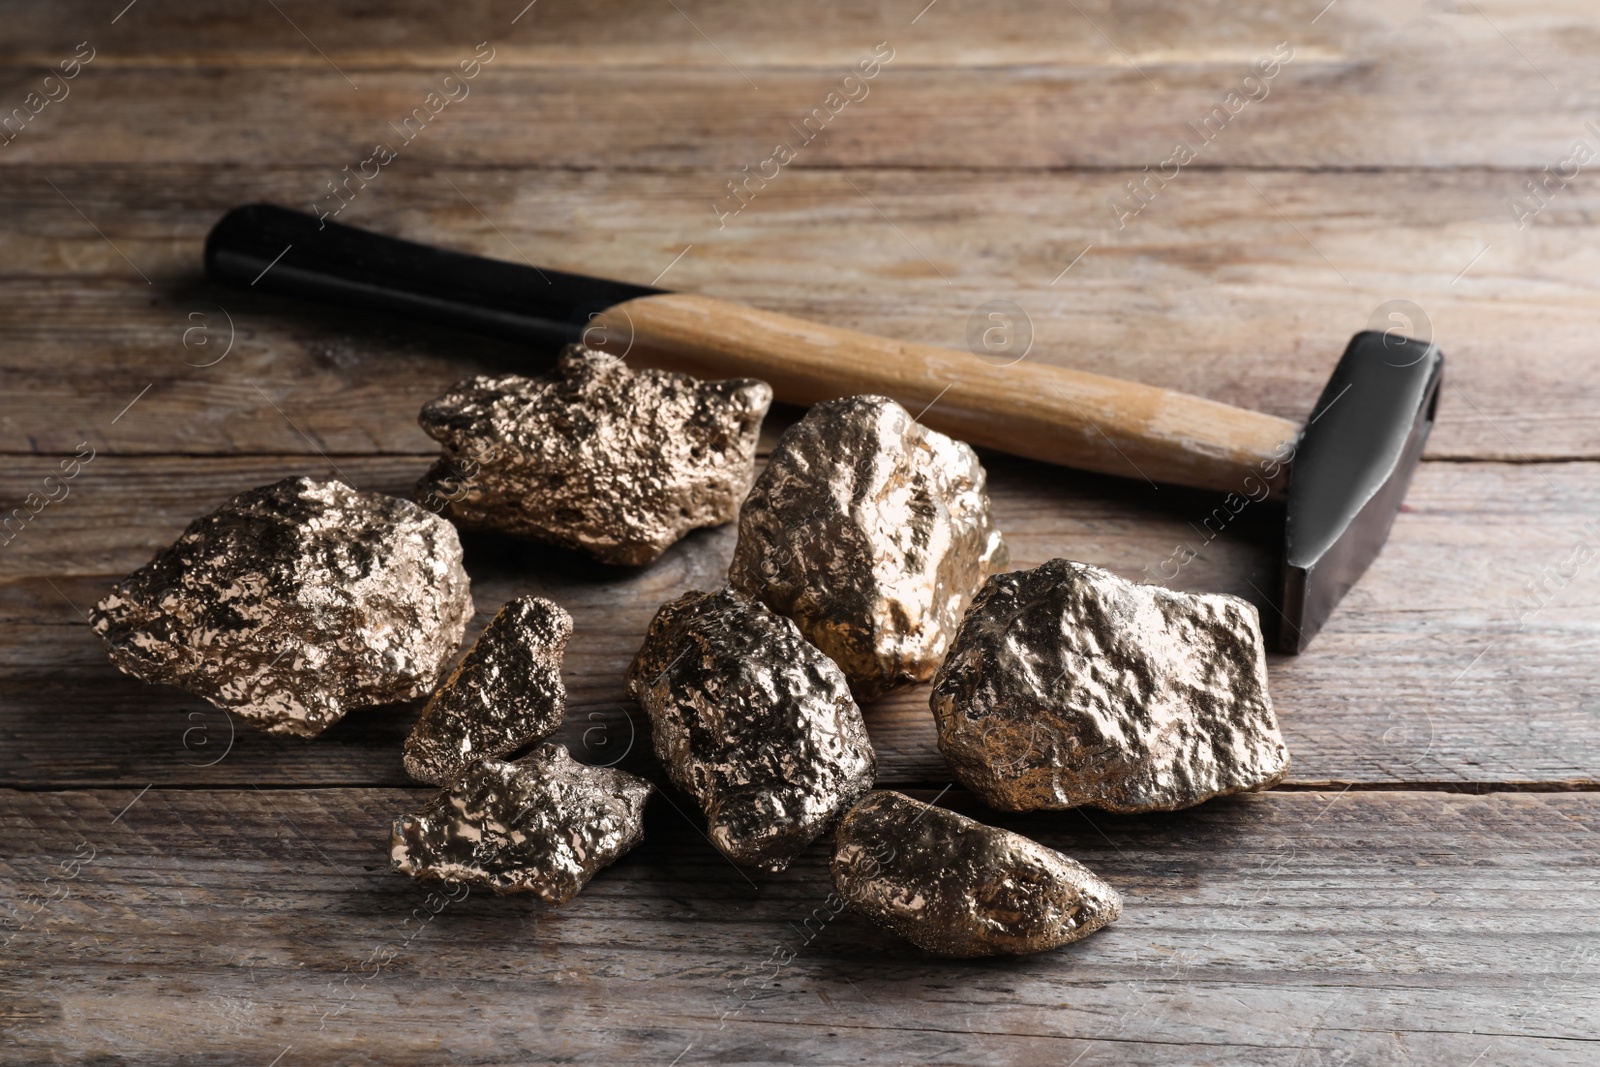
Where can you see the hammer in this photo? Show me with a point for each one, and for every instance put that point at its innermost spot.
(1343, 474)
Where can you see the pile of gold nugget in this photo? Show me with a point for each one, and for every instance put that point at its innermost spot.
(867, 561)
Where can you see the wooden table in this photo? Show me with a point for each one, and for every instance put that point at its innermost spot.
(1423, 890)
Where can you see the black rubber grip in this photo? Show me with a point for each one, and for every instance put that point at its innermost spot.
(277, 250)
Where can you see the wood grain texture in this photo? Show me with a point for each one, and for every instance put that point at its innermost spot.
(1052, 414)
(1209, 291)
(619, 33)
(1319, 928)
(1440, 666)
(1110, 84)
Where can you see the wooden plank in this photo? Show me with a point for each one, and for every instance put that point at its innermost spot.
(1210, 290)
(1439, 667)
(1371, 84)
(615, 33)
(236, 926)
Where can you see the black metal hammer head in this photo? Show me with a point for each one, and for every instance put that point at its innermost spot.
(1350, 471)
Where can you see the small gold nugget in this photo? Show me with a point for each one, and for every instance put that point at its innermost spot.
(544, 824)
(956, 887)
(506, 693)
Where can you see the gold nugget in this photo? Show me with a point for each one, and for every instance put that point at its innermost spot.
(1068, 685)
(506, 693)
(871, 532)
(595, 456)
(293, 603)
(752, 722)
(544, 824)
(956, 887)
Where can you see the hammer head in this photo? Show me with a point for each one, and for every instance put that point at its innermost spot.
(1350, 471)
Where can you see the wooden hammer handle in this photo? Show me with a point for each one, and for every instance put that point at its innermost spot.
(1026, 408)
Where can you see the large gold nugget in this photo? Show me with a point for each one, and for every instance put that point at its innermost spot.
(506, 693)
(871, 532)
(752, 722)
(595, 456)
(295, 602)
(544, 824)
(1068, 685)
(956, 887)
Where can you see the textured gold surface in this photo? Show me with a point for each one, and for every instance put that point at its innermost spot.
(595, 456)
(293, 603)
(752, 722)
(544, 824)
(956, 887)
(1068, 685)
(872, 533)
(505, 693)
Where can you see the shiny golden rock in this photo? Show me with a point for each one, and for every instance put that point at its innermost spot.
(505, 693)
(544, 824)
(1068, 685)
(595, 456)
(871, 532)
(752, 722)
(953, 886)
(293, 603)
